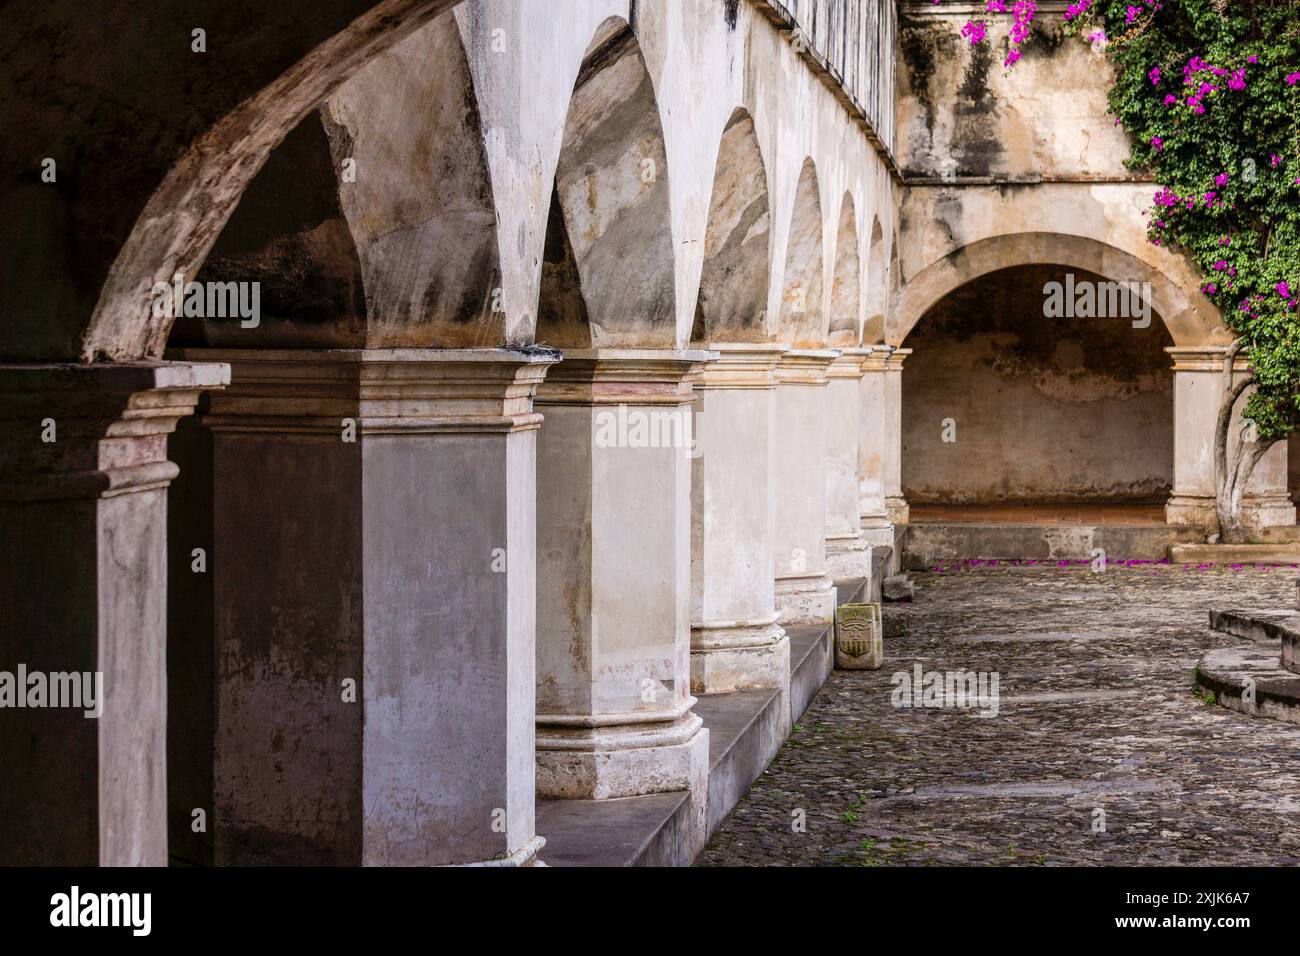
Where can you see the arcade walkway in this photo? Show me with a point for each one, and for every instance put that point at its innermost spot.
(1096, 713)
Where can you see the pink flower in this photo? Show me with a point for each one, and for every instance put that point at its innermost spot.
(1221, 179)
(1283, 290)
(1292, 79)
(1170, 100)
(1013, 57)
(1158, 143)
(997, 6)
(1238, 81)
(1275, 160)
(1132, 14)
(1252, 59)
(1154, 76)
(974, 30)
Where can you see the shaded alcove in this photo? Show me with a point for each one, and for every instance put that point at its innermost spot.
(1041, 409)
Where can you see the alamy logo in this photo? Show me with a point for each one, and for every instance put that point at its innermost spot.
(1098, 300)
(209, 300)
(75, 908)
(81, 690)
(638, 428)
(951, 689)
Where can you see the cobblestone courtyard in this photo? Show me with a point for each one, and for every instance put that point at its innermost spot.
(1096, 711)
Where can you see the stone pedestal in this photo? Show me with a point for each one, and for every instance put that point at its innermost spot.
(373, 562)
(804, 592)
(848, 552)
(83, 581)
(895, 504)
(614, 714)
(873, 440)
(736, 643)
(1198, 392)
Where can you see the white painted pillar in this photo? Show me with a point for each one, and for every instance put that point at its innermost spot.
(804, 591)
(1198, 391)
(736, 643)
(614, 706)
(872, 449)
(374, 561)
(83, 590)
(848, 553)
(895, 503)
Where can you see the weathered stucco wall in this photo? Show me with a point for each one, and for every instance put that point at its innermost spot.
(1042, 409)
(991, 152)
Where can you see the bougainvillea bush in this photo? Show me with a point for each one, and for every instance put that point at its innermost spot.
(1209, 91)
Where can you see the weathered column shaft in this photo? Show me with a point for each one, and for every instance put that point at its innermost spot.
(872, 450)
(614, 573)
(736, 643)
(83, 581)
(1198, 394)
(895, 503)
(374, 543)
(848, 552)
(804, 592)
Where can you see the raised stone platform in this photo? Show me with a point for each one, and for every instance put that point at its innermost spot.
(927, 543)
(746, 729)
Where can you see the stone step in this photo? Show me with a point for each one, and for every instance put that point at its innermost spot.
(627, 831)
(1235, 553)
(1227, 672)
(1280, 627)
(746, 729)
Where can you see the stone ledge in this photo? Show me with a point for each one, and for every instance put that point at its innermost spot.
(1280, 553)
(746, 729)
(1225, 673)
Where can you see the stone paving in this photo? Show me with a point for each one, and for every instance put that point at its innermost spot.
(1096, 711)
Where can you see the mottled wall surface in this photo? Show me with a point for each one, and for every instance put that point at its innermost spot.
(1044, 409)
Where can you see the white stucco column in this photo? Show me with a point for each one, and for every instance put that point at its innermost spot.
(895, 503)
(1198, 392)
(83, 607)
(804, 592)
(736, 643)
(614, 715)
(873, 511)
(848, 552)
(374, 561)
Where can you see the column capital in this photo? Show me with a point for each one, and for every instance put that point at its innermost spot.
(894, 362)
(805, 366)
(310, 391)
(87, 431)
(742, 365)
(849, 364)
(625, 376)
(1203, 358)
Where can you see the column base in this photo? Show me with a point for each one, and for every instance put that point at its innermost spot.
(1191, 511)
(897, 508)
(628, 760)
(1268, 511)
(848, 556)
(739, 655)
(805, 599)
(1257, 512)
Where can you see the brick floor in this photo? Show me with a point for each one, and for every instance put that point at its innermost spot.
(1096, 712)
(1092, 514)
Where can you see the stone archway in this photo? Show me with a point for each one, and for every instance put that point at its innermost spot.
(1190, 318)
(1002, 405)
